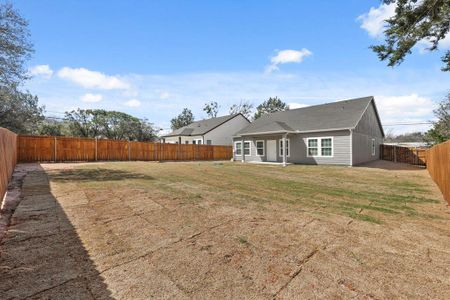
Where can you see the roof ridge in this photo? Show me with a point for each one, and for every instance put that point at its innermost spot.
(330, 103)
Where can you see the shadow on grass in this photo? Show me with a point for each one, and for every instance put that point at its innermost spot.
(390, 166)
(99, 174)
(42, 256)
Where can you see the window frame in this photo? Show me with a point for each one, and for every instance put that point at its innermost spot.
(235, 148)
(249, 148)
(263, 147)
(289, 148)
(197, 141)
(308, 147)
(374, 151)
(319, 146)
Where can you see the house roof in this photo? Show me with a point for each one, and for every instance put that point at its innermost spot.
(201, 127)
(324, 117)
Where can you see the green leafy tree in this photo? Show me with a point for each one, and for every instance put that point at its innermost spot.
(99, 123)
(270, 106)
(19, 112)
(52, 127)
(415, 21)
(441, 128)
(185, 118)
(211, 109)
(15, 46)
(243, 107)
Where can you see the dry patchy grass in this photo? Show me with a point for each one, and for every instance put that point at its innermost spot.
(136, 230)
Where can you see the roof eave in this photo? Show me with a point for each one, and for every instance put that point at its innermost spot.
(292, 131)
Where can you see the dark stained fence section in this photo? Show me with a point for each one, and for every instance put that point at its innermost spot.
(414, 156)
(8, 158)
(61, 149)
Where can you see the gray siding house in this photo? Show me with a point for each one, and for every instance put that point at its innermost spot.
(346, 132)
(214, 131)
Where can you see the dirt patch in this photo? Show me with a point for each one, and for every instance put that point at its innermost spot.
(206, 230)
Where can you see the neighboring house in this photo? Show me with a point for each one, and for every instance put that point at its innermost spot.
(343, 133)
(214, 131)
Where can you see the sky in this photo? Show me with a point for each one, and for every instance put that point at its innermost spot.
(153, 58)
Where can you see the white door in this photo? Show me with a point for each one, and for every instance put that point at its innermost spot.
(271, 150)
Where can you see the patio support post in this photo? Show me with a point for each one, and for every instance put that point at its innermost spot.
(284, 149)
(242, 149)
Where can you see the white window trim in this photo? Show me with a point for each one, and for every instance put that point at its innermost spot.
(289, 148)
(235, 148)
(264, 147)
(197, 140)
(249, 148)
(374, 151)
(319, 146)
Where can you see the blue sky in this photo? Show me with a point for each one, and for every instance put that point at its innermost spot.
(152, 58)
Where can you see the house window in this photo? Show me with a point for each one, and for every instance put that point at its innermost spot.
(260, 148)
(186, 142)
(313, 147)
(193, 142)
(238, 148)
(246, 148)
(326, 148)
(208, 142)
(373, 147)
(320, 147)
(281, 148)
(197, 141)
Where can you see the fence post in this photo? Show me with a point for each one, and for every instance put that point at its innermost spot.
(96, 157)
(55, 150)
(395, 153)
(129, 150)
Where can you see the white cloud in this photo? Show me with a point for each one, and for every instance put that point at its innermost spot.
(287, 56)
(41, 70)
(374, 21)
(92, 79)
(91, 98)
(164, 95)
(133, 103)
(409, 108)
(424, 45)
(294, 105)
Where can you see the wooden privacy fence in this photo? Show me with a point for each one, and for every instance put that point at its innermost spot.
(414, 156)
(8, 158)
(438, 165)
(44, 148)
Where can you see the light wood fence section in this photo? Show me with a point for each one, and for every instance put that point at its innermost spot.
(438, 165)
(61, 149)
(8, 158)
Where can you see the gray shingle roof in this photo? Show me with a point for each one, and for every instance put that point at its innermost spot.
(200, 127)
(330, 116)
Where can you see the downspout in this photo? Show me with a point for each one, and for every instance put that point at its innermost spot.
(242, 149)
(351, 147)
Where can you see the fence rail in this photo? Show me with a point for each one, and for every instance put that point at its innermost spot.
(438, 165)
(414, 156)
(61, 149)
(8, 158)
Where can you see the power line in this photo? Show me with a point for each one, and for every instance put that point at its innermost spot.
(408, 123)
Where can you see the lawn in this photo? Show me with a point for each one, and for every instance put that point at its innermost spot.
(227, 230)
